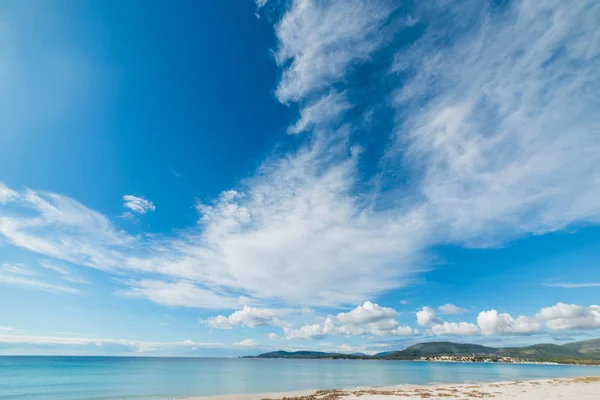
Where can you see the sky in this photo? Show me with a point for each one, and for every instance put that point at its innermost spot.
(233, 177)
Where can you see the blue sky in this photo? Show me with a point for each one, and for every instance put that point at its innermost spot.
(232, 177)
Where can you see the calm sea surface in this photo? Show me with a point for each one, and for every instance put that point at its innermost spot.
(102, 378)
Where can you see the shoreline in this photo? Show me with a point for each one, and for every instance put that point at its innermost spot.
(581, 388)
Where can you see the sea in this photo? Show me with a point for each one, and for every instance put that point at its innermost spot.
(141, 378)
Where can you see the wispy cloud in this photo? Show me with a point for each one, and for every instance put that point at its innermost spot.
(319, 41)
(573, 285)
(500, 125)
(179, 294)
(139, 205)
(32, 283)
(7, 194)
(120, 344)
(246, 343)
(16, 269)
(62, 271)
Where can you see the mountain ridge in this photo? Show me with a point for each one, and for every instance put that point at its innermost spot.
(574, 352)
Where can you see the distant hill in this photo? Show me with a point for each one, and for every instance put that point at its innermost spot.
(589, 348)
(294, 354)
(575, 352)
(437, 348)
(308, 354)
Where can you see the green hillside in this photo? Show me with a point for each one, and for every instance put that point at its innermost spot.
(437, 348)
(588, 348)
(577, 352)
(309, 354)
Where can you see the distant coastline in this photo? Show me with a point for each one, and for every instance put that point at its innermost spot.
(575, 353)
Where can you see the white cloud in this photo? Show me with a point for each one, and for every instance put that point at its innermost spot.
(246, 343)
(131, 345)
(291, 235)
(573, 285)
(570, 316)
(426, 317)
(6, 329)
(319, 41)
(328, 109)
(494, 323)
(21, 275)
(16, 269)
(60, 227)
(251, 317)
(368, 318)
(178, 294)
(62, 271)
(451, 309)
(138, 204)
(32, 283)
(455, 328)
(313, 331)
(6, 194)
(367, 313)
(273, 336)
(501, 124)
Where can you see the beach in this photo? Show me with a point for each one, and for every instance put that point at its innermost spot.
(580, 388)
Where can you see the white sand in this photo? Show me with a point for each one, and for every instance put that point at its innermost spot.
(545, 389)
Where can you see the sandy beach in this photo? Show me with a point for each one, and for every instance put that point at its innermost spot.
(580, 388)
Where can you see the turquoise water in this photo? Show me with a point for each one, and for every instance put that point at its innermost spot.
(103, 378)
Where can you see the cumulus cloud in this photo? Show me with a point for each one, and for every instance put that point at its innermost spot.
(251, 317)
(426, 317)
(455, 328)
(494, 323)
(367, 313)
(138, 204)
(451, 309)
(570, 316)
(368, 318)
